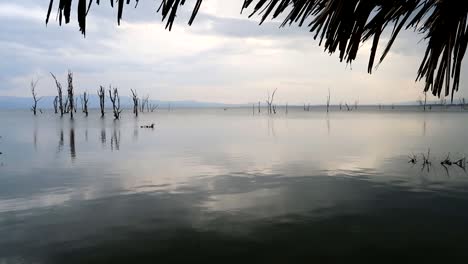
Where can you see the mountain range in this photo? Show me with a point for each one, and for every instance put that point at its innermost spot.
(46, 102)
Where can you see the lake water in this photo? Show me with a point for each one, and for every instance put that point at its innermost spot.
(208, 185)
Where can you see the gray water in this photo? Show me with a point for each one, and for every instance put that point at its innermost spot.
(209, 185)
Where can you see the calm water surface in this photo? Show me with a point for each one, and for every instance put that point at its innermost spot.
(218, 186)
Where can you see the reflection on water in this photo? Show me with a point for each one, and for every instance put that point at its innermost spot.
(60, 145)
(209, 185)
(115, 139)
(72, 143)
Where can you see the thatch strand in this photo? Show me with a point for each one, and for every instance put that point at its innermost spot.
(343, 25)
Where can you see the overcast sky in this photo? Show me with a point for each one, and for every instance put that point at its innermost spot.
(223, 57)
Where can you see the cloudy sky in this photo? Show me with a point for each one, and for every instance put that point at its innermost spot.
(223, 57)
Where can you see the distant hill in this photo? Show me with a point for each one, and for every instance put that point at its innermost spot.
(12, 102)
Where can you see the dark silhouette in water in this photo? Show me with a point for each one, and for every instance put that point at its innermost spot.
(271, 108)
(84, 103)
(72, 143)
(61, 140)
(115, 139)
(148, 126)
(59, 97)
(344, 25)
(135, 102)
(56, 105)
(115, 99)
(70, 93)
(34, 96)
(102, 95)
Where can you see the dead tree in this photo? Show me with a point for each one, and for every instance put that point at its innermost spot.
(462, 103)
(425, 100)
(274, 109)
(328, 101)
(34, 96)
(85, 100)
(56, 104)
(135, 102)
(102, 96)
(144, 104)
(66, 106)
(355, 105)
(341, 106)
(152, 107)
(82, 103)
(70, 94)
(347, 107)
(286, 108)
(270, 100)
(259, 107)
(115, 99)
(75, 106)
(60, 98)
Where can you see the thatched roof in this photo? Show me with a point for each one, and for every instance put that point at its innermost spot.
(343, 25)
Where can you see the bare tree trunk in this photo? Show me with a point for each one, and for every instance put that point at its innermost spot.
(259, 107)
(34, 96)
(144, 104)
(56, 104)
(85, 103)
(102, 95)
(135, 102)
(286, 108)
(66, 106)
(60, 98)
(425, 100)
(75, 106)
(70, 93)
(82, 103)
(328, 101)
(270, 100)
(153, 107)
(115, 99)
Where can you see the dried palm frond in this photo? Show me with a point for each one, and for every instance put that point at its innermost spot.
(343, 25)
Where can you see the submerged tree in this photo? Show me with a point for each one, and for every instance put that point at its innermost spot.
(70, 94)
(102, 96)
(328, 101)
(269, 102)
(84, 102)
(56, 104)
(34, 96)
(135, 102)
(59, 97)
(153, 107)
(115, 99)
(343, 25)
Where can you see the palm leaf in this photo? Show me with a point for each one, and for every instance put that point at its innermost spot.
(343, 25)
